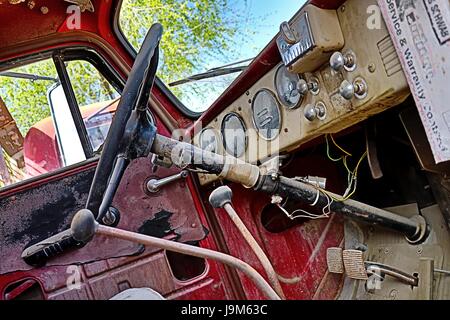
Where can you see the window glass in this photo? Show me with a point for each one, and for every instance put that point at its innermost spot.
(37, 131)
(27, 135)
(203, 35)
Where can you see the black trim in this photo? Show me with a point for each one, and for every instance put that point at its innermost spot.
(58, 60)
(94, 58)
(158, 82)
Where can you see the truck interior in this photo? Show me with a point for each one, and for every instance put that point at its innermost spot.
(308, 174)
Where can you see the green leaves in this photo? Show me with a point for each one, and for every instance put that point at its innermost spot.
(27, 99)
(195, 33)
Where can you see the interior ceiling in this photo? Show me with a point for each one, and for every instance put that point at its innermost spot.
(26, 20)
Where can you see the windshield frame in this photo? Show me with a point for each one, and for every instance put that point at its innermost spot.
(158, 82)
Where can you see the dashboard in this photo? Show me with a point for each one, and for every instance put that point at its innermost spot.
(336, 69)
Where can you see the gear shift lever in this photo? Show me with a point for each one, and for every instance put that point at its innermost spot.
(84, 227)
(221, 198)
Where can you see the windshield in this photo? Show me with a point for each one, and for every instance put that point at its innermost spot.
(206, 43)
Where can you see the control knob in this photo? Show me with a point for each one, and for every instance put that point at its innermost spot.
(339, 61)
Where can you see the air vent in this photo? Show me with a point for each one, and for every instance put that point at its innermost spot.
(389, 56)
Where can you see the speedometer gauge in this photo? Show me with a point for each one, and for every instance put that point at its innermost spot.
(234, 134)
(208, 140)
(266, 114)
(286, 84)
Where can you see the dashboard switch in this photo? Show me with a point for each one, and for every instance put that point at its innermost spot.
(339, 61)
(304, 87)
(347, 90)
(356, 89)
(313, 112)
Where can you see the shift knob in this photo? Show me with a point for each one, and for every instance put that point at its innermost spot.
(83, 226)
(220, 197)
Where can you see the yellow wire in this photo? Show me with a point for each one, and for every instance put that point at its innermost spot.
(354, 175)
(328, 151)
(339, 147)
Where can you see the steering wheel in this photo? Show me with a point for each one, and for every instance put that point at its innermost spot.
(131, 133)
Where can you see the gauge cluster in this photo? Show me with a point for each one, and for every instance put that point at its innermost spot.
(287, 85)
(266, 114)
(234, 133)
(263, 116)
(352, 76)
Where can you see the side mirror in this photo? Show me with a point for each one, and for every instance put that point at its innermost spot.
(66, 133)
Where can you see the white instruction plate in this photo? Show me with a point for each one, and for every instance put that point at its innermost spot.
(421, 33)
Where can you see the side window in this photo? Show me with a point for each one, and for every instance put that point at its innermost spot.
(27, 136)
(96, 98)
(38, 134)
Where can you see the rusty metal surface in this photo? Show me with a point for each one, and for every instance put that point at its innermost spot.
(138, 208)
(193, 251)
(297, 253)
(391, 249)
(34, 215)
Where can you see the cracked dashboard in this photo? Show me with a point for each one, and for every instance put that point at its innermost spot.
(336, 70)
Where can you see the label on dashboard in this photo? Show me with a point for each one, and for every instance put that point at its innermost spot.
(421, 33)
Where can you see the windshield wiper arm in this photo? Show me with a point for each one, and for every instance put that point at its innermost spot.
(27, 76)
(213, 73)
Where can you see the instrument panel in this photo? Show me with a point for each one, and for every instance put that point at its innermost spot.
(345, 74)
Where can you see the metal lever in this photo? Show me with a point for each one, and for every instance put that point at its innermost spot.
(155, 185)
(221, 198)
(84, 228)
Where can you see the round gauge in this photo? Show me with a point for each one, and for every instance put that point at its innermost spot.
(286, 84)
(208, 140)
(266, 114)
(234, 135)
